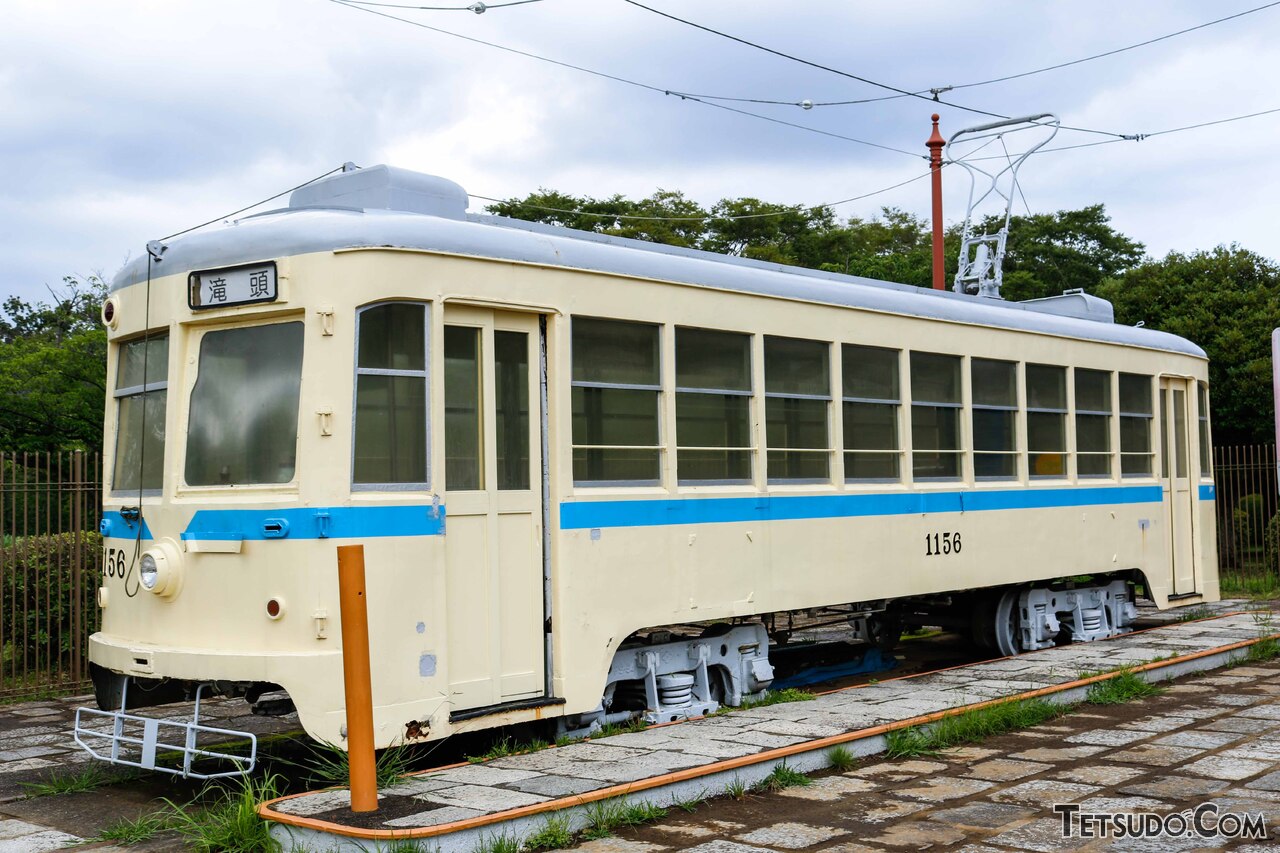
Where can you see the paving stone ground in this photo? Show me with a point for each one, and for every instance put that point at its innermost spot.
(1213, 738)
(1217, 723)
(523, 780)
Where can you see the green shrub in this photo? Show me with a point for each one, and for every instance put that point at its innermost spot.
(39, 576)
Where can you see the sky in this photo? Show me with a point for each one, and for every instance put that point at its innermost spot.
(127, 120)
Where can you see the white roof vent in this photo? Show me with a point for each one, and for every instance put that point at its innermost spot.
(385, 188)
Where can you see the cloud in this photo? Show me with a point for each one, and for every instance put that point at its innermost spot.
(132, 120)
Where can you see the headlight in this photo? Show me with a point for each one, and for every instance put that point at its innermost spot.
(160, 569)
(148, 572)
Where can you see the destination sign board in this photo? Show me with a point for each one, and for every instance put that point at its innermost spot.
(241, 285)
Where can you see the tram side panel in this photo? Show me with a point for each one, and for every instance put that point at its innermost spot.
(608, 579)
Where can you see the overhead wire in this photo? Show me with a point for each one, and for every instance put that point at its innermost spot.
(933, 98)
(619, 79)
(1141, 136)
(1116, 50)
(939, 89)
(474, 7)
(252, 206)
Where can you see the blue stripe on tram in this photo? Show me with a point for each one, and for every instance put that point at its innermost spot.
(651, 513)
(1207, 492)
(332, 522)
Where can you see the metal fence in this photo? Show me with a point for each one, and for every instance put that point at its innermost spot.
(50, 556)
(50, 552)
(1248, 518)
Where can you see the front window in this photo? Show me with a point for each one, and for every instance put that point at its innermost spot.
(243, 426)
(141, 391)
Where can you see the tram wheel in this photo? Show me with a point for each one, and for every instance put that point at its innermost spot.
(1004, 623)
(885, 630)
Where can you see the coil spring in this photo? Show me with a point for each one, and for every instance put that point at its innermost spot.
(675, 691)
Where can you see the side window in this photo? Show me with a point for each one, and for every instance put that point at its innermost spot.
(390, 443)
(141, 392)
(1136, 414)
(617, 387)
(713, 406)
(1047, 420)
(1093, 423)
(995, 417)
(797, 384)
(1206, 454)
(243, 423)
(463, 419)
(935, 416)
(871, 400)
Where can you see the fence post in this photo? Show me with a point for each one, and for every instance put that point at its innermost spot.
(77, 566)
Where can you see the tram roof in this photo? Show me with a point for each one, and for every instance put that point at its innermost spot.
(325, 220)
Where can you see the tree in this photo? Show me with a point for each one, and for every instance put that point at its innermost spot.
(53, 360)
(1227, 300)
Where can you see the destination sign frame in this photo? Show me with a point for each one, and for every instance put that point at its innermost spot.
(244, 284)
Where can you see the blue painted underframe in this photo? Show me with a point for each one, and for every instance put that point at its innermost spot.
(656, 512)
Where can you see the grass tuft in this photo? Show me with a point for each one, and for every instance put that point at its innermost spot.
(629, 727)
(1190, 614)
(1264, 650)
(554, 834)
(131, 831)
(507, 747)
(498, 844)
(971, 726)
(781, 778)
(404, 845)
(736, 789)
(1125, 686)
(90, 777)
(331, 765)
(228, 821)
(778, 697)
(690, 804)
(841, 758)
(606, 816)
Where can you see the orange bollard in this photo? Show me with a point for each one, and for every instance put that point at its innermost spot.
(356, 678)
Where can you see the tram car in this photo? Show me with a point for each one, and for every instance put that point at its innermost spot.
(554, 445)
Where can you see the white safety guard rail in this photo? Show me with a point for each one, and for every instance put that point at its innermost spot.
(116, 746)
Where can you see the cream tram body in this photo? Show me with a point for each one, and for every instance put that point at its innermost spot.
(502, 581)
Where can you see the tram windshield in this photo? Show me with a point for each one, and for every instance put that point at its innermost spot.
(243, 426)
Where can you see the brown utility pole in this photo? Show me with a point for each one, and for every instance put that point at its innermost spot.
(935, 144)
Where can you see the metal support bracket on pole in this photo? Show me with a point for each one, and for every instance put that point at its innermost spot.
(980, 271)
